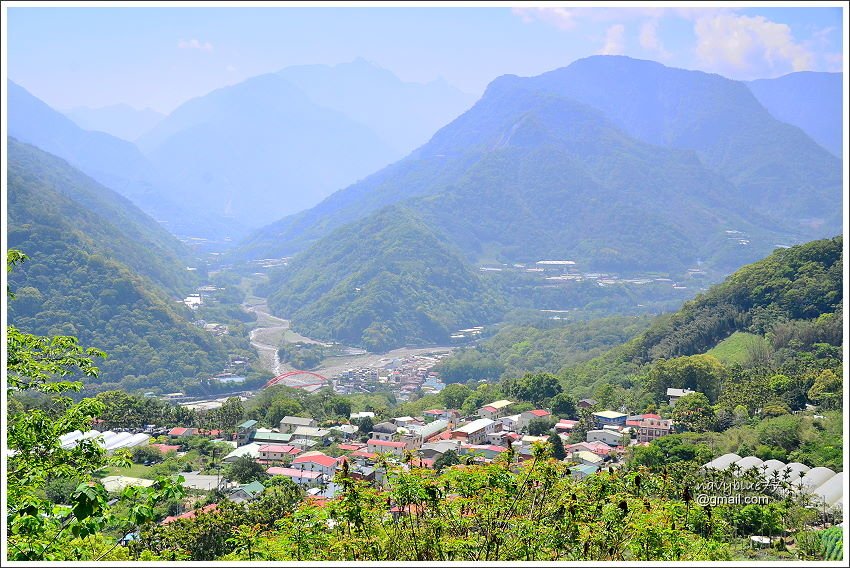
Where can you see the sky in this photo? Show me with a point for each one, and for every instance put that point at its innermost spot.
(159, 57)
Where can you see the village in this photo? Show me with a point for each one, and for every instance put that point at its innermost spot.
(310, 454)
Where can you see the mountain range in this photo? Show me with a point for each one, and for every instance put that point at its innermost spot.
(121, 121)
(810, 100)
(101, 270)
(618, 164)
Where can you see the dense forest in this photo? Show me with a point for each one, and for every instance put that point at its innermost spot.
(398, 282)
(84, 245)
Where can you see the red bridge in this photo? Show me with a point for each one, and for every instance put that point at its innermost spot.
(280, 378)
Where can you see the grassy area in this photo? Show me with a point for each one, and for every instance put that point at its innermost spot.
(736, 348)
(135, 470)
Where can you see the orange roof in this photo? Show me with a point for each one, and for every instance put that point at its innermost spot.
(191, 514)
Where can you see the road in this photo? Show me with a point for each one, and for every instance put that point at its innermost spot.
(272, 331)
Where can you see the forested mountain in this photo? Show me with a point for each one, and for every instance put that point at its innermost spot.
(121, 121)
(115, 163)
(143, 245)
(795, 296)
(404, 115)
(261, 149)
(808, 99)
(99, 270)
(398, 282)
(714, 129)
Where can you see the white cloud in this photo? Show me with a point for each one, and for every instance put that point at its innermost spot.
(650, 41)
(561, 18)
(747, 47)
(614, 40)
(194, 44)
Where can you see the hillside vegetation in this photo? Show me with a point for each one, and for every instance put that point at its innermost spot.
(96, 272)
(398, 283)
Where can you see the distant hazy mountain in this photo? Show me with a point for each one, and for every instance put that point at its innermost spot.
(143, 245)
(618, 164)
(101, 271)
(121, 120)
(807, 99)
(405, 115)
(790, 183)
(259, 150)
(115, 163)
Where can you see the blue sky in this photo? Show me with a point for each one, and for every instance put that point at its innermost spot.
(160, 57)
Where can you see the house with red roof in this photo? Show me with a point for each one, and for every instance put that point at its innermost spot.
(565, 426)
(316, 461)
(351, 446)
(526, 417)
(180, 432)
(190, 514)
(599, 448)
(165, 448)
(277, 452)
(386, 447)
(495, 409)
(301, 477)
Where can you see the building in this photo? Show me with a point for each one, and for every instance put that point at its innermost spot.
(316, 461)
(510, 423)
(582, 471)
(650, 429)
(526, 417)
(395, 448)
(246, 492)
(290, 423)
(609, 418)
(278, 452)
(244, 432)
(182, 432)
(475, 432)
(311, 433)
(586, 403)
(304, 478)
(587, 458)
(495, 409)
(383, 431)
(676, 394)
(565, 426)
(606, 436)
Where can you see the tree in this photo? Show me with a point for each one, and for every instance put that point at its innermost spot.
(701, 373)
(533, 387)
(563, 406)
(245, 470)
(455, 394)
(539, 426)
(693, 413)
(446, 459)
(557, 446)
(37, 529)
(827, 390)
(366, 425)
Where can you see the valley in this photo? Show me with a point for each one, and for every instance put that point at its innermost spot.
(417, 284)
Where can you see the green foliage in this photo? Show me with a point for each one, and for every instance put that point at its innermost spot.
(446, 459)
(388, 282)
(98, 273)
(245, 470)
(537, 388)
(303, 356)
(519, 349)
(693, 413)
(39, 469)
